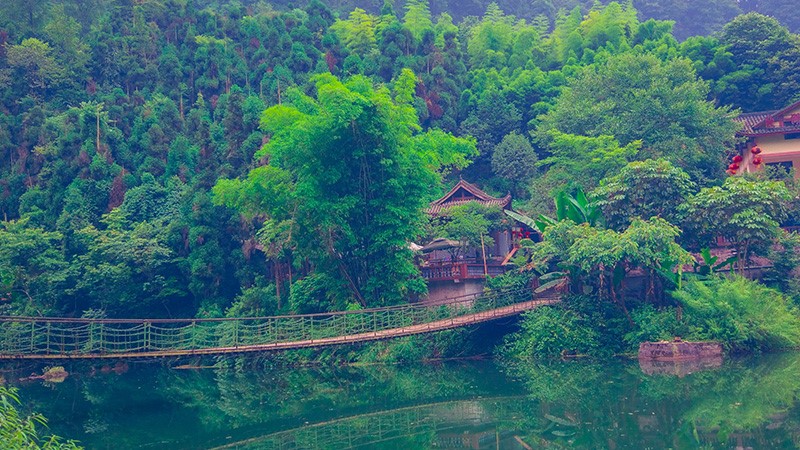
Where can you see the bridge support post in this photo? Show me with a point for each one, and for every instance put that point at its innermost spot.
(101, 347)
(146, 336)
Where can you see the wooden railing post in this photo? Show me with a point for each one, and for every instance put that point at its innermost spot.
(146, 332)
(76, 346)
(193, 340)
(272, 330)
(47, 350)
(6, 343)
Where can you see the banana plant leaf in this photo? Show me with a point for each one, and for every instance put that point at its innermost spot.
(728, 262)
(549, 285)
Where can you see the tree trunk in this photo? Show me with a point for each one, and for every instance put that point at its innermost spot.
(619, 299)
(97, 114)
(742, 254)
(276, 270)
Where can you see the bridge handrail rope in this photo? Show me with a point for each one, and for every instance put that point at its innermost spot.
(31, 337)
(451, 301)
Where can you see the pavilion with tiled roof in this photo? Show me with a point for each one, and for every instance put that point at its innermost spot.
(465, 276)
(464, 192)
(771, 137)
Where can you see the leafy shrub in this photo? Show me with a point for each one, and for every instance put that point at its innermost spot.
(255, 301)
(550, 332)
(785, 257)
(413, 349)
(19, 432)
(514, 283)
(741, 314)
(654, 325)
(312, 294)
(605, 318)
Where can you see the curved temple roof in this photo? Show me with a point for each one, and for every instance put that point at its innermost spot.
(464, 192)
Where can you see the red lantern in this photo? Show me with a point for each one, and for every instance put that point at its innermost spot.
(733, 167)
(737, 159)
(731, 172)
(757, 161)
(755, 150)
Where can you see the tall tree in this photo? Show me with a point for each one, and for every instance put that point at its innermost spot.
(514, 158)
(360, 176)
(746, 212)
(418, 18)
(643, 189)
(691, 18)
(767, 71)
(357, 32)
(35, 60)
(639, 97)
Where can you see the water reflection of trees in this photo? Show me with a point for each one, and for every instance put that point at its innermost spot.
(750, 400)
(584, 404)
(576, 403)
(744, 402)
(153, 404)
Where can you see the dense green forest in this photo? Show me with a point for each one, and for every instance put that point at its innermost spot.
(691, 18)
(141, 176)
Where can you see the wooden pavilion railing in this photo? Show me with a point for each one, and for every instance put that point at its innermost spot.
(461, 270)
(59, 338)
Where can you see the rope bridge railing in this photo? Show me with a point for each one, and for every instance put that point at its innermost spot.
(43, 336)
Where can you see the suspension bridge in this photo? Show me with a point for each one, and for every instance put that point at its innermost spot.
(47, 338)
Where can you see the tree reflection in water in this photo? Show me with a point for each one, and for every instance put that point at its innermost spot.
(577, 404)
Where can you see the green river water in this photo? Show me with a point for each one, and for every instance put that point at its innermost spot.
(738, 404)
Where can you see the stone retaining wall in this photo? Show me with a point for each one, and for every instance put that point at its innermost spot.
(679, 350)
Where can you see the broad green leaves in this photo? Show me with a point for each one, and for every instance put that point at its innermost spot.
(583, 161)
(643, 189)
(22, 432)
(744, 211)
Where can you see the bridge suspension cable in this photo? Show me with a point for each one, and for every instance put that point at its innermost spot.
(61, 338)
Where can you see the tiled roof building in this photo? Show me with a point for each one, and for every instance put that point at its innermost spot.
(463, 275)
(772, 138)
(464, 192)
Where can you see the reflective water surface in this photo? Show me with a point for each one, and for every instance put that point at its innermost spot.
(737, 404)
